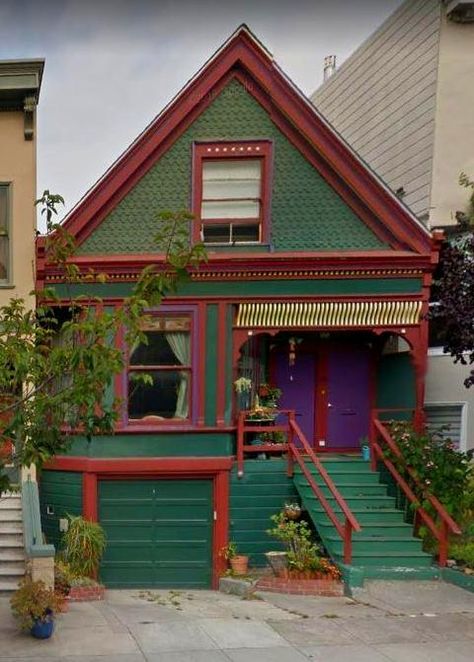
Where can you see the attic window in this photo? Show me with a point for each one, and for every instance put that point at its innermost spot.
(231, 202)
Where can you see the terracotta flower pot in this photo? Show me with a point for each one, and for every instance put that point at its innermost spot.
(239, 564)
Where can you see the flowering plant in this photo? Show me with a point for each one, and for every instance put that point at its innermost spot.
(269, 394)
(439, 466)
(243, 385)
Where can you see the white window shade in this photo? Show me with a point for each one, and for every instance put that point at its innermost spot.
(230, 209)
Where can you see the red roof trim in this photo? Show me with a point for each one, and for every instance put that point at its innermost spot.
(293, 114)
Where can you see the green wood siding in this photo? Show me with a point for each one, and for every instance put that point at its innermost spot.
(61, 493)
(260, 493)
(159, 533)
(345, 286)
(160, 444)
(307, 214)
(396, 383)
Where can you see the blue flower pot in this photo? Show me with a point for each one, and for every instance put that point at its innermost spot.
(43, 629)
(365, 450)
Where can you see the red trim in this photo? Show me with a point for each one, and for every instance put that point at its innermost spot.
(242, 53)
(89, 496)
(261, 150)
(201, 362)
(216, 469)
(221, 362)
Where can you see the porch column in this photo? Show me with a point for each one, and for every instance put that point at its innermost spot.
(418, 339)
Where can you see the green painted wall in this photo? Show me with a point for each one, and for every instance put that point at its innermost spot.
(273, 287)
(306, 213)
(396, 382)
(62, 492)
(161, 444)
(211, 366)
(260, 493)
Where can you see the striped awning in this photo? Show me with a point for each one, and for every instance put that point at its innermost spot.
(328, 314)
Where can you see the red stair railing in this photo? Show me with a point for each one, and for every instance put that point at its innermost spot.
(446, 523)
(300, 454)
(245, 425)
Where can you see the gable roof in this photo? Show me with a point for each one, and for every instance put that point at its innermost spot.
(242, 56)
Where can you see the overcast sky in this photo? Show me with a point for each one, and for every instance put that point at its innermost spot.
(111, 65)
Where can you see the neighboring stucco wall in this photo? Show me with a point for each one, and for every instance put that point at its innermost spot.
(382, 99)
(18, 167)
(454, 122)
(444, 383)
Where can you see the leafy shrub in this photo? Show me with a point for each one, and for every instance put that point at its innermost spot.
(302, 553)
(463, 553)
(84, 545)
(63, 576)
(442, 470)
(33, 601)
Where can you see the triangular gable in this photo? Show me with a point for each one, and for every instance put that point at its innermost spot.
(244, 59)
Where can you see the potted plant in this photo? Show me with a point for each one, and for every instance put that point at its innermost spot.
(35, 606)
(63, 578)
(302, 555)
(292, 511)
(269, 395)
(84, 544)
(238, 562)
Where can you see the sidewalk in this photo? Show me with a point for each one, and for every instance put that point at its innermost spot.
(418, 621)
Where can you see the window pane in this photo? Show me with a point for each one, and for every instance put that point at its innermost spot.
(166, 398)
(228, 169)
(3, 232)
(166, 349)
(245, 233)
(230, 209)
(216, 234)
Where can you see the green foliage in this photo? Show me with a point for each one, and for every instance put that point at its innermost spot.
(84, 543)
(58, 362)
(33, 601)
(229, 551)
(302, 553)
(63, 576)
(468, 183)
(442, 470)
(463, 553)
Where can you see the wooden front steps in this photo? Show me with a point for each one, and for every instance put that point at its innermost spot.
(12, 557)
(386, 546)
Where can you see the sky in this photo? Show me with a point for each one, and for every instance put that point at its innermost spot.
(112, 65)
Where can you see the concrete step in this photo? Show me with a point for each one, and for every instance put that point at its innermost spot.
(14, 526)
(8, 568)
(10, 515)
(9, 584)
(11, 540)
(9, 502)
(8, 554)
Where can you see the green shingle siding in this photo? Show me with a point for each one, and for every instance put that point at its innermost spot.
(306, 213)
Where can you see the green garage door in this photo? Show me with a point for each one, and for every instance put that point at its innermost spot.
(159, 533)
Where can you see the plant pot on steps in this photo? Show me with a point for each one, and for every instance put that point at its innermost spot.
(239, 564)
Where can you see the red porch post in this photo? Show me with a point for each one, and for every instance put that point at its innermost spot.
(417, 337)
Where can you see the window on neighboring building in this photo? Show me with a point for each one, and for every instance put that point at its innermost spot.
(232, 192)
(4, 231)
(166, 359)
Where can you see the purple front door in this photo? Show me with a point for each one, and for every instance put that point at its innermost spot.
(298, 384)
(348, 397)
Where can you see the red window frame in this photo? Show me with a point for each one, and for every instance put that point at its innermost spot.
(241, 149)
(151, 420)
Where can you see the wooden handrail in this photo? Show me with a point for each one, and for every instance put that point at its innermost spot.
(350, 522)
(246, 424)
(447, 524)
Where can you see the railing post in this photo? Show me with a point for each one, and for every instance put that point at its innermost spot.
(372, 438)
(240, 445)
(347, 542)
(443, 544)
(290, 441)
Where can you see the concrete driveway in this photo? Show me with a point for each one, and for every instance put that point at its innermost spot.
(400, 621)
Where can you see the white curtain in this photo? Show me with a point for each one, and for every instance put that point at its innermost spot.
(179, 343)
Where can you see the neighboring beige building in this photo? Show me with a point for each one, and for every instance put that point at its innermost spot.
(20, 82)
(404, 101)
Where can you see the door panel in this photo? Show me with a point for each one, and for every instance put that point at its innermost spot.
(348, 396)
(159, 533)
(298, 383)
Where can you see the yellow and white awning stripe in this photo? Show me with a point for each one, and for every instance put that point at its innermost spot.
(328, 314)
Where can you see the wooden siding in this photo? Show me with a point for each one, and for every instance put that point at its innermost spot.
(382, 100)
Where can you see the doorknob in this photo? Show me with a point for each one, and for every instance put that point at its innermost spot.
(329, 405)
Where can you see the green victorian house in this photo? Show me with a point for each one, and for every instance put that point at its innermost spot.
(317, 284)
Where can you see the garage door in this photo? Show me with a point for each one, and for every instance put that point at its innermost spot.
(159, 533)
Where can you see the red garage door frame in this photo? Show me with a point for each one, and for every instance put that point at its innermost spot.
(215, 469)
